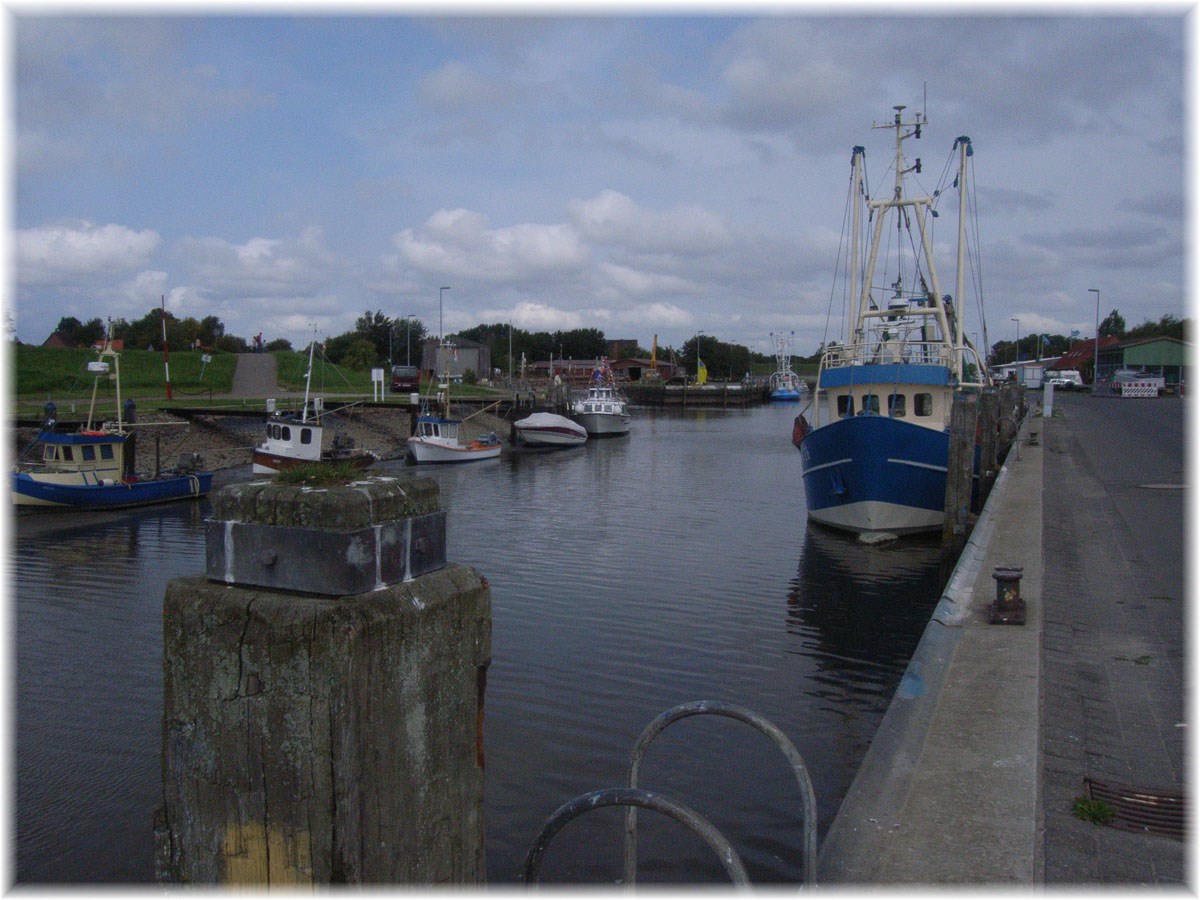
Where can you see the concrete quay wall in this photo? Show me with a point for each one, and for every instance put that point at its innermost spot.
(996, 731)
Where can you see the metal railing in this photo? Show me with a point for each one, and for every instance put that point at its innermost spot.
(634, 797)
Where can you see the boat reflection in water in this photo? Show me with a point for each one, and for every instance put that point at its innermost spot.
(860, 610)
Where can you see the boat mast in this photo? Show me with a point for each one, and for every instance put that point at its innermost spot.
(933, 307)
(308, 376)
(853, 329)
(964, 150)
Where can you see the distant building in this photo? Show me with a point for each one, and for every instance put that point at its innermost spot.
(462, 356)
(1164, 356)
(58, 340)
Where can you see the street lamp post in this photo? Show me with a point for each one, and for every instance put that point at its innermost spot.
(408, 339)
(441, 327)
(1096, 354)
(1017, 349)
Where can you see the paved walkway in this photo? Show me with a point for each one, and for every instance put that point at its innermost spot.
(1113, 667)
(973, 774)
(255, 376)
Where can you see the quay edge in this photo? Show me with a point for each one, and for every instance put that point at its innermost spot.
(948, 792)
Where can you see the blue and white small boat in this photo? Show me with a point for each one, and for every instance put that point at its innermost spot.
(784, 384)
(93, 468)
(876, 450)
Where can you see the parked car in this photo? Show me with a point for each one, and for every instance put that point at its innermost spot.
(406, 379)
(1065, 380)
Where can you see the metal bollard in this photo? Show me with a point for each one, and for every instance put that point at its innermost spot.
(1008, 607)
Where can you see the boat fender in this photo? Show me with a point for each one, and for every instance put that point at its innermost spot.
(800, 430)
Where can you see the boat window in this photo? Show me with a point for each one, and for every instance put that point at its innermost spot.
(306, 435)
(896, 406)
(106, 451)
(89, 453)
(845, 405)
(273, 431)
(870, 404)
(923, 404)
(48, 453)
(67, 453)
(287, 433)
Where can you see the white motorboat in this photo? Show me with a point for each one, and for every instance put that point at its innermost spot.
(437, 438)
(544, 429)
(603, 412)
(437, 441)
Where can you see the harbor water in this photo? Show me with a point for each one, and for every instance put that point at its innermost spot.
(628, 575)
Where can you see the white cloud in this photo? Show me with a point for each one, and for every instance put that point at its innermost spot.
(455, 86)
(81, 250)
(459, 243)
(261, 267)
(613, 218)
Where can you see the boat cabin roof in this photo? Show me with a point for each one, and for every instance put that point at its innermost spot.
(886, 373)
(82, 437)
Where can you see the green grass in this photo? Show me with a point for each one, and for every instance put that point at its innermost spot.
(1095, 811)
(321, 474)
(52, 373)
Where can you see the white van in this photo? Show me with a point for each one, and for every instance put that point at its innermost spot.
(1065, 379)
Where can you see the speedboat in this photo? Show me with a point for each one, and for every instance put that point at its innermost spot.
(542, 429)
(602, 412)
(876, 453)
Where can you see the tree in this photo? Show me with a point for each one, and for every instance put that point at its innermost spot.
(1113, 325)
(360, 355)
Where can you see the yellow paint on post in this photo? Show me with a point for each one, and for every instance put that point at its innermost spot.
(253, 854)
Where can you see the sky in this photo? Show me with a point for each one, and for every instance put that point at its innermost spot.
(646, 173)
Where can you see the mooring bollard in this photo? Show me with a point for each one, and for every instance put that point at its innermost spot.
(1008, 608)
(323, 694)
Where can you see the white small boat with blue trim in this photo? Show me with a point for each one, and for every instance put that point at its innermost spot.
(93, 468)
(544, 429)
(784, 384)
(438, 437)
(875, 454)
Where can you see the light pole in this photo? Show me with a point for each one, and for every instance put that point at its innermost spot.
(408, 339)
(1096, 354)
(698, 333)
(1017, 349)
(441, 327)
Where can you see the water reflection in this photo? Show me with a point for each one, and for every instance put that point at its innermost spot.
(627, 575)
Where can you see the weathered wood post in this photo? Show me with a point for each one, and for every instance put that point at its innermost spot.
(960, 468)
(323, 694)
(989, 436)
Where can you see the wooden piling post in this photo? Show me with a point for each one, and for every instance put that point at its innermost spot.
(323, 694)
(960, 467)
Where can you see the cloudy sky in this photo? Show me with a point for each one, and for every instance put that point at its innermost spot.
(638, 173)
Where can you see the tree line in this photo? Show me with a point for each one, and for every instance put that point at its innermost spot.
(378, 339)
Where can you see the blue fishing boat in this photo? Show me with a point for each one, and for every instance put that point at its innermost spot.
(784, 384)
(93, 468)
(874, 440)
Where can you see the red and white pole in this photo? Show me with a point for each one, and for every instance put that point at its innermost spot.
(166, 356)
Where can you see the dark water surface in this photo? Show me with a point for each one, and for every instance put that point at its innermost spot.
(628, 576)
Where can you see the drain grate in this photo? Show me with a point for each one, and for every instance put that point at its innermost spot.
(1140, 811)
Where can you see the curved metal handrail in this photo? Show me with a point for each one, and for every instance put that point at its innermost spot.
(714, 707)
(634, 798)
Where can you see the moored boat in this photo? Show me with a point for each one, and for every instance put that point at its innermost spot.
(543, 429)
(603, 411)
(294, 440)
(785, 385)
(875, 454)
(94, 468)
